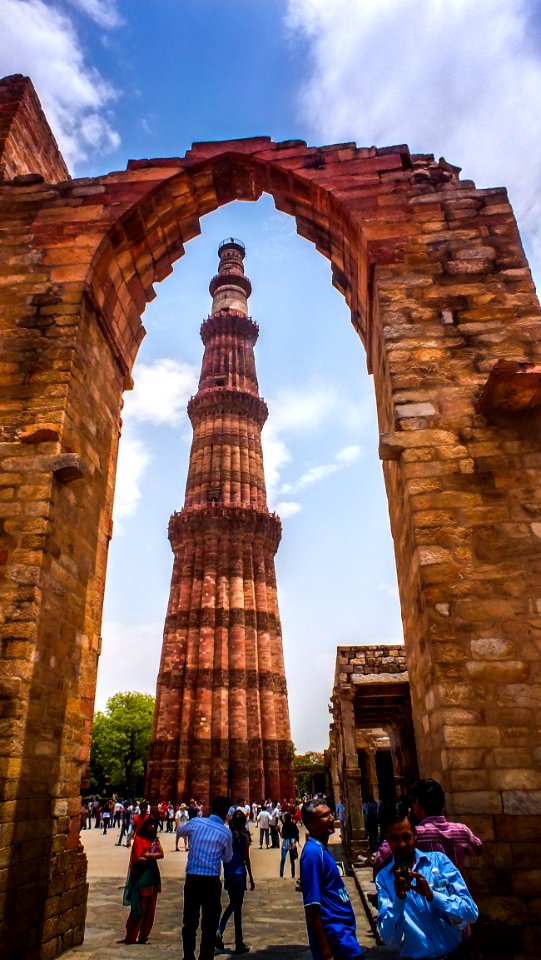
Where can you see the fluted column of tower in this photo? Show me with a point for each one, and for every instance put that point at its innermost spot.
(221, 724)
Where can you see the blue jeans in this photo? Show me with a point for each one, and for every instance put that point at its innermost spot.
(285, 851)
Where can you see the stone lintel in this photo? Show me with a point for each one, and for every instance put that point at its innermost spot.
(379, 678)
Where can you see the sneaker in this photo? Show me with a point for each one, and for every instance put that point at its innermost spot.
(219, 943)
(242, 948)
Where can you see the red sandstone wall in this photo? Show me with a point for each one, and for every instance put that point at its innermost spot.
(27, 144)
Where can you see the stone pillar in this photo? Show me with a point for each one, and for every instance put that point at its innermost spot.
(372, 772)
(351, 777)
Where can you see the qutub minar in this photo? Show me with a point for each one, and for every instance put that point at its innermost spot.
(221, 724)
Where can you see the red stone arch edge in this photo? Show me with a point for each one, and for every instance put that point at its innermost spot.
(439, 288)
(152, 233)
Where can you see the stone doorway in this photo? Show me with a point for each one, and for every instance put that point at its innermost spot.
(372, 743)
(441, 296)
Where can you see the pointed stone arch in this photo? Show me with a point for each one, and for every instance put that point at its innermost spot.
(440, 292)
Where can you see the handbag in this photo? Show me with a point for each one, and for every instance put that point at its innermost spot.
(293, 852)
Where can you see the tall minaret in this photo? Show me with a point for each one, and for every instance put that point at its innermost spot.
(221, 724)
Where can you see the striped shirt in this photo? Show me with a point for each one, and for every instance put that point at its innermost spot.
(210, 843)
(456, 840)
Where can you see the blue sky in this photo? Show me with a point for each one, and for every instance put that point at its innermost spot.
(143, 78)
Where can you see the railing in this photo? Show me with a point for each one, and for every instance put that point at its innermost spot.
(231, 240)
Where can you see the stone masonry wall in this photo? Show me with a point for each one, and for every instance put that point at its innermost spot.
(439, 290)
(368, 660)
(27, 145)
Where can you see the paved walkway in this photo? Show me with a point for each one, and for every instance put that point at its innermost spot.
(273, 915)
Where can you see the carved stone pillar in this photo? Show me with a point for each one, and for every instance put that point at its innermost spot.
(351, 777)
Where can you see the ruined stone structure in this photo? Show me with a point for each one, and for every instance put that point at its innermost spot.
(221, 724)
(372, 720)
(441, 296)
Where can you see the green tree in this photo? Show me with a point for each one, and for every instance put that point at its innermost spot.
(303, 763)
(310, 759)
(120, 742)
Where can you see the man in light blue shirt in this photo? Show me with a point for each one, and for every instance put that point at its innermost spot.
(423, 901)
(211, 843)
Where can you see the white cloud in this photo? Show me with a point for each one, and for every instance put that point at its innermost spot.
(275, 457)
(287, 508)
(456, 79)
(103, 12)
(292, 411)
(304, 408)
(133, 460)
(344, 458)
(161, 393)
(137, 648)
(349, 454)
(41, 41)
(314, 475)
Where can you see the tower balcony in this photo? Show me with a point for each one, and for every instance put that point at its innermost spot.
(227, 321)
(225, 520)
(222, 400)
(230, 280)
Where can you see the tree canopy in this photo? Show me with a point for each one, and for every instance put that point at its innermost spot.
(120, 741)
(310, 759)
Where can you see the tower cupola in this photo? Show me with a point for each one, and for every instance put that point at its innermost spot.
(230, 288)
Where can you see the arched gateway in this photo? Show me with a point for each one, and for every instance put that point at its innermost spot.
(441, 295)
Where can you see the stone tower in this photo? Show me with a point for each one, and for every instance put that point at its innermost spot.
(222, 722)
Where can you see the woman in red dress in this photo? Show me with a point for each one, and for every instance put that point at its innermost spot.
(143, 881)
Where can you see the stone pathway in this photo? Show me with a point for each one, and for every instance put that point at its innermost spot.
(273, 914)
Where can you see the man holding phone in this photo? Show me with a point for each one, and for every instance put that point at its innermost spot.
(423, 901)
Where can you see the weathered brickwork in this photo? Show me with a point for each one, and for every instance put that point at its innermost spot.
(353, 663)
(221, 724)
(27, 146)
(440, 291)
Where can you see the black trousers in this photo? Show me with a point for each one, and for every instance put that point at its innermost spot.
(236, 897)
(201, 898)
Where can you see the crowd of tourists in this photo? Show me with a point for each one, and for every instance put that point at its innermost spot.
(267, 817)
(425, 908)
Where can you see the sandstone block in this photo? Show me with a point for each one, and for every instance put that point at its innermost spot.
(469, 736)
(522, 802)
(507, 671)
(492, 648)
(464, 759)
(408, 410)
(508, 757)
(515, 779)
(482, 801)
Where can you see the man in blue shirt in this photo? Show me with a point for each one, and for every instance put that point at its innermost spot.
(329, 915)
(210, 844)
(423, 902)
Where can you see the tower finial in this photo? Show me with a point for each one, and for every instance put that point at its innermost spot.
(230, 288)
